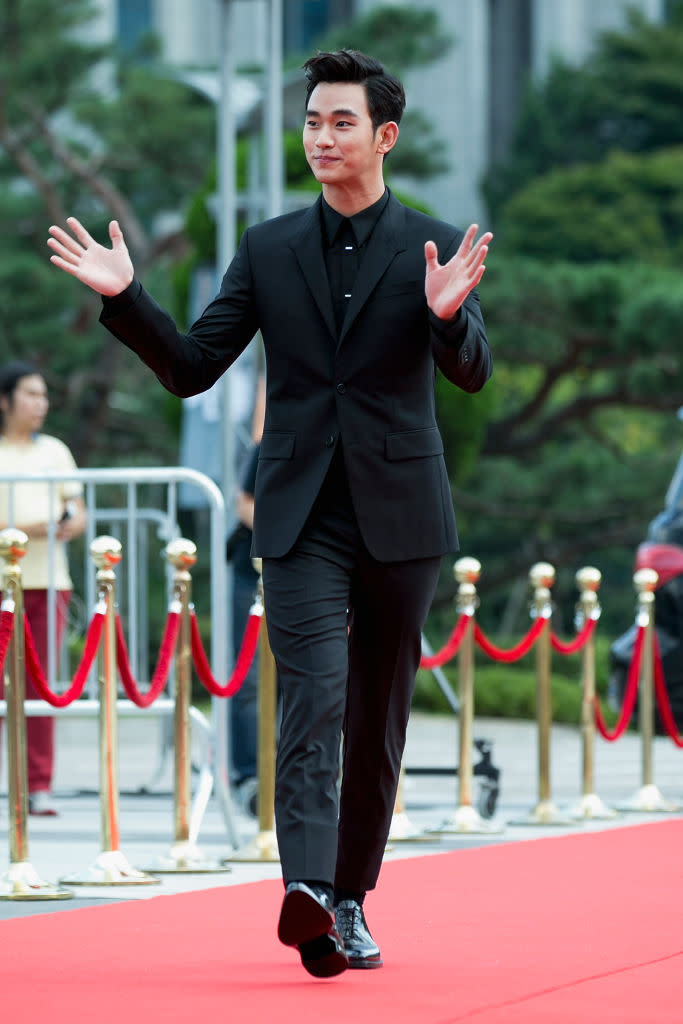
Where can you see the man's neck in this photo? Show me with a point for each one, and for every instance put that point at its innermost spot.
(349, 202)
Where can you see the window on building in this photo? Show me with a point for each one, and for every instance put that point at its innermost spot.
(305, 21)
(134, 19)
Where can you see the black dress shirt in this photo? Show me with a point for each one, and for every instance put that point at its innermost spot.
(344, 243)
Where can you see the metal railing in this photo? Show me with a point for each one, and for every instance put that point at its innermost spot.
(129, 504)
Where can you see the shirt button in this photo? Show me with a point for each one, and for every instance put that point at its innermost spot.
(341, 388)
(330, 441)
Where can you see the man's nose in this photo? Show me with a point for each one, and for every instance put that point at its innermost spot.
(324, 139)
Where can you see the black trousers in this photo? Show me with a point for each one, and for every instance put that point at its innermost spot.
(345, 631)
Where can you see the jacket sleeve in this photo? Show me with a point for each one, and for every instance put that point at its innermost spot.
(188, 363)
(460, 346)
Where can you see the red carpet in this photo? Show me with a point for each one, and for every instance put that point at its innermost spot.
(581, 928)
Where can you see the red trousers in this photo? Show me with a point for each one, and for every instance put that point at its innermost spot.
(40, 732)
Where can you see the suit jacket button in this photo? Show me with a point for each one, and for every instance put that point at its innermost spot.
(330, 441)
(341, 388)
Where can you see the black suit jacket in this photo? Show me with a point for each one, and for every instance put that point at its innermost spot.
(372, 386)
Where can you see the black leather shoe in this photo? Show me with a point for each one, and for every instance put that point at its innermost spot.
(361, 949)
(307, 921)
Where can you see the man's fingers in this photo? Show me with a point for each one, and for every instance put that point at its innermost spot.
(431, 255)
(477, 256)
(468, 239)
(64, 240)
(81, 234)
(116, 234)
(69, 255)
(70, 268)
(467, 248)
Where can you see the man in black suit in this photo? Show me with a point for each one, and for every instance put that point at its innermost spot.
(353, 510)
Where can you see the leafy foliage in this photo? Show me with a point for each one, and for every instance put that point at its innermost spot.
(583, 303)
(70, 146)
(628, 95)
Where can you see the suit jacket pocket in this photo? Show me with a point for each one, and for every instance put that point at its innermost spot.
(413, 444)
(415, 287)
(277, 444)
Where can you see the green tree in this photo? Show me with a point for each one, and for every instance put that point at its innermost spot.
(626, 207)
(69, 146)
(627, 95)
(583, 303)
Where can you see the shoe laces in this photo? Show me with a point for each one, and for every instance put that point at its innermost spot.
(349, 918)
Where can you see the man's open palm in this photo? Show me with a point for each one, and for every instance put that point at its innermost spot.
(107, 271)
(447, 286)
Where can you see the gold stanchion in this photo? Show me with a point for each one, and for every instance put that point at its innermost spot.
(184, 856)
(590, 805)
(21, 881)
(466, 819)
(111, 867)
(542, 577)
(648, 798)
(263, 847)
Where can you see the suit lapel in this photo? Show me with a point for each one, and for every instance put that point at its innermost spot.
(387, 239)
(308, 248)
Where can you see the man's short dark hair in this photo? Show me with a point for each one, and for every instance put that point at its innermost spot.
(386, 98)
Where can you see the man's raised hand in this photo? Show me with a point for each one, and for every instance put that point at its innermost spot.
(447, 286)
(107, 271)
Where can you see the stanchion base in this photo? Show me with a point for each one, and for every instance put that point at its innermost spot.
(262, 849)
(591, 806)
(185, 858)
(403, 831)
(21, 882)
(466, 820)
(544, 813)
(649, 799)
(111, 868)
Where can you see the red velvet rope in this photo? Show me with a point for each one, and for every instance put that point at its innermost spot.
(6, 627)
(577, 643)
(163, 666)
(92, 642)
(514, 653)
(629, 701)
(450, 647)
(665, 712)
(242, 665)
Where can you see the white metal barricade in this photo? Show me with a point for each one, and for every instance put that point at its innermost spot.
(128, 503)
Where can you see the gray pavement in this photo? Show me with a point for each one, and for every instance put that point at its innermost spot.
(71, 842)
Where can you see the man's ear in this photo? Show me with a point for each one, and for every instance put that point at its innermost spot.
(387, 134)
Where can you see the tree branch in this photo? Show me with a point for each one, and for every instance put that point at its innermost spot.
(98, 184)
(499, 441)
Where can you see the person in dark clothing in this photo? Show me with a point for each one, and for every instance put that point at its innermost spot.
(244, 704)
(353, 509)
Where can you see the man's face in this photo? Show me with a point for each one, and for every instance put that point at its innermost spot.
(27, 408)
(341, 146)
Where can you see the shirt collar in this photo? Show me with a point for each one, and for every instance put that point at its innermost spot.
(362, 223)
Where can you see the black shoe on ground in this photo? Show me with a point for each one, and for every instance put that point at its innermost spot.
(361, 949)
(307, 921)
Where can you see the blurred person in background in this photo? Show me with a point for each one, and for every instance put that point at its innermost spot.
(30, 507)
(244, 704)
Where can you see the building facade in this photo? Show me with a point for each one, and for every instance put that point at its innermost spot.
(471, 95)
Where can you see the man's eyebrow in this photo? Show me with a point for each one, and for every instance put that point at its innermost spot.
(339, 112)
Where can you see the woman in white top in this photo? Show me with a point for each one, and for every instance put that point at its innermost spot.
(31, 507)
